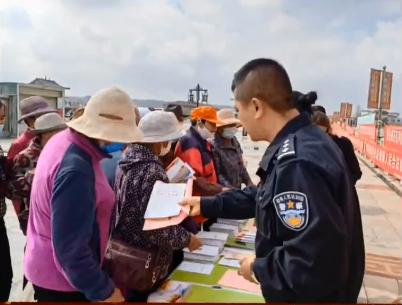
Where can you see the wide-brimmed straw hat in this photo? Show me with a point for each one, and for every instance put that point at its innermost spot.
(48, 122)
(227, 117)
(160, 126)
(34, 106)
(109, 116)
(206, 113)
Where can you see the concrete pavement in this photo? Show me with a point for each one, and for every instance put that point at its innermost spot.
(381, 212)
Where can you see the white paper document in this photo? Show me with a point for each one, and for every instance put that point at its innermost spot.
(164, 200)
(201, 268)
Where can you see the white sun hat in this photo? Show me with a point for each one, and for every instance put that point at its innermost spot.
(109, 116)
(160, 126)
(48, 122)
(227, 117)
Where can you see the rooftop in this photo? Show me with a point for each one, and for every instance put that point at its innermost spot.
(46, 83)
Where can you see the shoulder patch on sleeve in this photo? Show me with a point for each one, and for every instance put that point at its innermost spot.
(292, 209)
(288, 148)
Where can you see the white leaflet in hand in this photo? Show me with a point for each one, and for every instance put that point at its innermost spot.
(164, 200)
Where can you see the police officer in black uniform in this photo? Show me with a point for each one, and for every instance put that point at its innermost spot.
(309, 244)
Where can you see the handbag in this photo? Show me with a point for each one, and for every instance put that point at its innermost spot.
(131, 267)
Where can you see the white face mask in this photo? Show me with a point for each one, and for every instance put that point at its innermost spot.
(229, 133)
(205, 133)
(165, 150)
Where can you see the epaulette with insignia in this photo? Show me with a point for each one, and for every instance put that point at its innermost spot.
(288, 148)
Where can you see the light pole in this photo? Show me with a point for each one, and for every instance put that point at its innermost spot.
(380, 123)
(199, 93)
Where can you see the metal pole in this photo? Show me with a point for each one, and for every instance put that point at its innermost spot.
(379, 133)
(198, 93)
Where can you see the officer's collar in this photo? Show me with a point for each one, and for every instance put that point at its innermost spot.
(291, 127)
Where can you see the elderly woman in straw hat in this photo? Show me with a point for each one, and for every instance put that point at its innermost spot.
(21, 174)
(228, 155)
(72, 202)
(138, 171)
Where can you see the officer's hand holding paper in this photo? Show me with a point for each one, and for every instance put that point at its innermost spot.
(193, 204)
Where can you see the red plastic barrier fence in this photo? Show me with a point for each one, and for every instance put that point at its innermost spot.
(393, 137)
(388, 157)
(366, 132)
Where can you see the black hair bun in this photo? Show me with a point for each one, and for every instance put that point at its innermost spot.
(303, 102)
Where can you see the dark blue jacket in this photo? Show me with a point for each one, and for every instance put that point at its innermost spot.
(309, 244)
(69, 218)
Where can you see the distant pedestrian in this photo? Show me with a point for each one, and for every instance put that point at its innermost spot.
(228, 155)
(22, 172)
(30, 108)
(77, 113)
(6, 270)
(346, 146)
(177, 110)
(72, 202)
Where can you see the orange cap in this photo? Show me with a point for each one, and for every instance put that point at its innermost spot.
(206, 113)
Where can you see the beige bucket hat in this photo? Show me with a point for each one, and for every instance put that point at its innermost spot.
(227, 117)
(160, 126)
(109, 116)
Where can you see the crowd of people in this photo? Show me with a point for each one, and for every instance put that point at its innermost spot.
(80, 190)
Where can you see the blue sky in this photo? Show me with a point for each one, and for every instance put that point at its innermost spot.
(160, 48)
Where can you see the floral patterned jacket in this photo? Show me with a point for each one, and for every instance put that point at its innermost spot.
(135, 177)
(21, 177)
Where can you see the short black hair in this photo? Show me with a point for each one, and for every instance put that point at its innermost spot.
(265, 79)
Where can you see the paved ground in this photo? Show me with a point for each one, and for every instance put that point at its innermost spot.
(381, 212)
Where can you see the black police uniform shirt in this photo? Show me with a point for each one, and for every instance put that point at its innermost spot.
(309, 243)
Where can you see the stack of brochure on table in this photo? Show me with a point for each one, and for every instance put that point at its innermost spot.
(231, 257)
(196, 267)
(204, 254)
(246, 237)
(217, 239)
(231, 230)
(232, 222)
